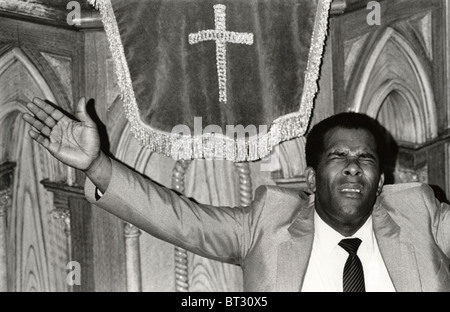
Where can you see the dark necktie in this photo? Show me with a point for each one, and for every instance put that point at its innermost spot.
(353, 279)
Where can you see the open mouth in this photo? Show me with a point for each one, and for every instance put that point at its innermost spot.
(351, 189)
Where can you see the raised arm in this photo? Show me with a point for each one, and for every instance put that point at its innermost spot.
(75, 142)
(220, 233)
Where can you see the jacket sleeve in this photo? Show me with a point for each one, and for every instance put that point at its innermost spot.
(219, 233)
(440, 219)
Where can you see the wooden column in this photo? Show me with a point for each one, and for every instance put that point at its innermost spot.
(6, 182)
(62, 196)
(133, 258)
(245, 183)
(181, 257)
(90, 232)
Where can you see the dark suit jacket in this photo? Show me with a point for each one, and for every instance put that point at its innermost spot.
(272, 239)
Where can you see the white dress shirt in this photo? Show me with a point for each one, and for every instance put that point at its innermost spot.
(326, 265)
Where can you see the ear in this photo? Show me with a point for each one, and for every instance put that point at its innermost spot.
(310, 175)
(380, 184)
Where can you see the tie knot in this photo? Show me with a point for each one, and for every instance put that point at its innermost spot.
(350, 245)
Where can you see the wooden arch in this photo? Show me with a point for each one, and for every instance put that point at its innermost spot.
(36, 244)
(392, 66)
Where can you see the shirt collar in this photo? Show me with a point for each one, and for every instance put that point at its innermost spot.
(327, 238)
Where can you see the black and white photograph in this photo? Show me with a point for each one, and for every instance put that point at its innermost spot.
(224, 150)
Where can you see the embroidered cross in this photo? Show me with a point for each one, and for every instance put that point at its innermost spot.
(221, 36)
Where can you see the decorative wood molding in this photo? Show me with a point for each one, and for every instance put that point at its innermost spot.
(45, 79)
(340, 7)
(17, 54)
(426, 162)
(55, 13)
(352, 53)
(50, 12)
(64, 190)
(61, 194)
(376, 78)
(36, 248)
(423, 30)
(414, 147)
(245, 183)
(84, 242)
(62, 66)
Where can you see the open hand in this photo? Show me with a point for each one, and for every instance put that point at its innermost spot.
(76, 143)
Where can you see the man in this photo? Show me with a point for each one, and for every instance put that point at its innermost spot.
(350, 235)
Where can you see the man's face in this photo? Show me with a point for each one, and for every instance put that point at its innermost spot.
(347, 179)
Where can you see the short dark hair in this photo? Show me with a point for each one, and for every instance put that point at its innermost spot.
(315, 140)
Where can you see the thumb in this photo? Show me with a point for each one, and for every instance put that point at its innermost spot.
(82, 114)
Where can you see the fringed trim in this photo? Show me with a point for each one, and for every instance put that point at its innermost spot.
(208, 145)
(93, 3)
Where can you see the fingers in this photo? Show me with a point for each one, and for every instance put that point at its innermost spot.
(44, 118)
(37, 124)
(45, 112)
(82, 114)
(44, 141)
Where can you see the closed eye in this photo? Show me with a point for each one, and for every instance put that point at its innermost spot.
(367, 157)
(337, 155)
(363, 157)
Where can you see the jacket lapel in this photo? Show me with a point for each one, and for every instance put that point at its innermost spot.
(294, 254)
(397, 255)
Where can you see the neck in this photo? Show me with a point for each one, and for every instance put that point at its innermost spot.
(344, 227)
(346, 231)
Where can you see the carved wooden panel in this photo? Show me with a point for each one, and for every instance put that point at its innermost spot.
(37, 249)
(395, 72)
(33, 237)
(50, 12)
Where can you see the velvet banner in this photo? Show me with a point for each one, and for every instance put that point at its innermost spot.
(224, 79)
